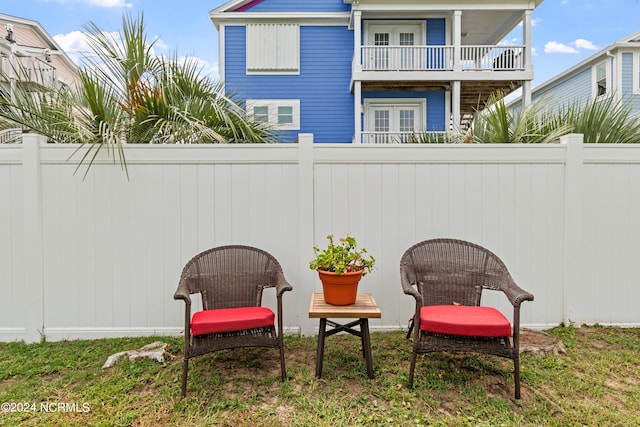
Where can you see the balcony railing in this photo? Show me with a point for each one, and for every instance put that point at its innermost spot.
(441, 58)
(430, 137)
(29, 69)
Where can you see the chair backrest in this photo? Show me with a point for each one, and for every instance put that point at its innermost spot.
(450, 271)
(231, 276)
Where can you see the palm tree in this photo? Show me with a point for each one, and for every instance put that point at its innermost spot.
(126, 93)
(497, 123)
(601, 121)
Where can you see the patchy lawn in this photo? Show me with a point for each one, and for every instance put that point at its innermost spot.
(595, 382)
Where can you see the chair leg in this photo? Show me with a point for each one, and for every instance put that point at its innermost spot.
(412, 368)
(283, 368)
(516, 376)
(185, 368)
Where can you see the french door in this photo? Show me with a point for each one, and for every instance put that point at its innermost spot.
(389, 123)
(393, 47)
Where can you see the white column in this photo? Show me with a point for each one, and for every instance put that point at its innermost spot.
(304, 287)
(526, 39)
(456, 32)
(455, 105)
(573, 247)
(357, 112)
(357, 84)
(33, 253)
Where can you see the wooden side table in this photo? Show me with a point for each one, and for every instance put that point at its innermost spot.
(364, 308)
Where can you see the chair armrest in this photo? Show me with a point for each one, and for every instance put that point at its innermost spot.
(183, 293)
(515, 294)
(409, 288)
(282, 285)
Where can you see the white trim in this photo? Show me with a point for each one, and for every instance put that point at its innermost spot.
(273, 105)
(420, 102)
(636, 73)
(222, 53)
(421, 24)
(608, 77)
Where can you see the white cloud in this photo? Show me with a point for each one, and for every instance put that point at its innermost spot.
(100, 3)
(109, 3)
(76, 47)
(555, 47)
(584, 44)
(573, 47)
(74, 44)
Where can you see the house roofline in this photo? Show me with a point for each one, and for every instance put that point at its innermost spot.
(621, 43)
(39, 29)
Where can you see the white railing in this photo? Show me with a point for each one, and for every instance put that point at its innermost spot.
(407, 58)
(403, 137)
(100, 256)
(441, 58)
(29, 69)
(10, 135)
(493, 58)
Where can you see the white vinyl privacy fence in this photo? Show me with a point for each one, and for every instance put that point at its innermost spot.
(101, 256)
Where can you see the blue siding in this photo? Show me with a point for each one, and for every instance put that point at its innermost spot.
(326, 104)
(576, 88)
(300, 6)
(435, 116)
(436, 32)
(628, 96)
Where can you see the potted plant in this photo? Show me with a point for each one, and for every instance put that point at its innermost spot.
(340, 267)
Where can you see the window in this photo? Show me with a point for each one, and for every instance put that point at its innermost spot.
(261, 113)
(602, 79)
(282, 114)
(393, 120)
(273, 48)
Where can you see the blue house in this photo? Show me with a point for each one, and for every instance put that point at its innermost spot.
(612, 72)
(371, 71)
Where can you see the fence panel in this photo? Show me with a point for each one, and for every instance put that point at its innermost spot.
(100, 256)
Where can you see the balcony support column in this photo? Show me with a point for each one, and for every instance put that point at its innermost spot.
(457, 40)
(526, 39)
(357, 84)
(357, 111)
(455, 105)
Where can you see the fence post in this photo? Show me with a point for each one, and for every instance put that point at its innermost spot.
(573, 197)
(306, 213)
(33, 255)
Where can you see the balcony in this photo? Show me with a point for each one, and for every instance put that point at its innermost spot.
(441, 58)
(29, 70)
(431, 137)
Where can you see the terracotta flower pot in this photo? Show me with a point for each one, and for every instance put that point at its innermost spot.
(340, 289)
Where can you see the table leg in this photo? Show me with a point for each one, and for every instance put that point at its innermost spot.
(320, 352)
(366, 346)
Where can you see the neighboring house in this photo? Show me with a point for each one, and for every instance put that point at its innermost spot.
(371, 70)
(30, 56)
(612, 72)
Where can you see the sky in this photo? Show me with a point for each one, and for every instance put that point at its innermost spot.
(564, 32)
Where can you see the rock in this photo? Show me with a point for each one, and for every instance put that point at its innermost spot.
(154, 351)
(539, 342)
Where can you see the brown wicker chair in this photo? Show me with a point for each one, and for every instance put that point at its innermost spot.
(446, 277)
(230, 280)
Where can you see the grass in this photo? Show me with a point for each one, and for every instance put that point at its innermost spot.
(594, 383)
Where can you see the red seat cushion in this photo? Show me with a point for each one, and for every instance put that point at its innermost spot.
(464, 320)
(230, 320)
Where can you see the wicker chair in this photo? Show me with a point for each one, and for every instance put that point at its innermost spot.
(446, 277)
(230, 280)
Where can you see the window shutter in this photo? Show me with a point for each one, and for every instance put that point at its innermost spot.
(273, 47)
